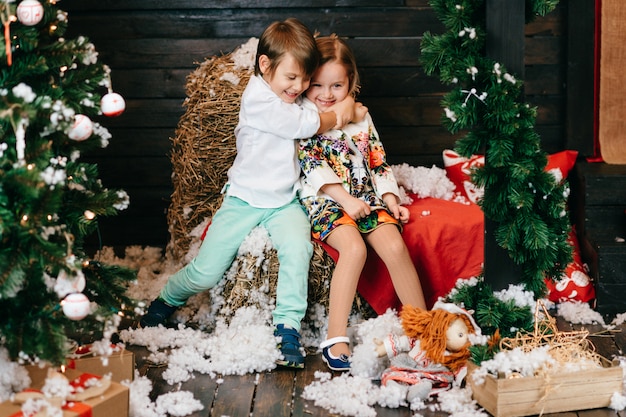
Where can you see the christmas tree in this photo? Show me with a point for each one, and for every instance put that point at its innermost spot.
(51, 88)
(528, 205)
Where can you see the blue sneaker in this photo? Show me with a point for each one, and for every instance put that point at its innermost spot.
(342, 363)
(289, 346)
(158, 313)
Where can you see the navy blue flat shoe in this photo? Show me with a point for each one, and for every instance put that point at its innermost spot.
(341, 363)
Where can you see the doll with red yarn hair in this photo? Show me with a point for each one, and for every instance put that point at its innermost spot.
(432, 354)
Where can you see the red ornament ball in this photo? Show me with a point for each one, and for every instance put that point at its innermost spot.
(76, 306)
(29, 12)
(112, 104)
(81, 129)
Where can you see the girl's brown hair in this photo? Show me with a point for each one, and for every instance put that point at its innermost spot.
(333, 48)
(288, 37)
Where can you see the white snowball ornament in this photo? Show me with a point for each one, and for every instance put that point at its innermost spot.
(29, 12)
(112, 104)
(81, 129)
(76, 306)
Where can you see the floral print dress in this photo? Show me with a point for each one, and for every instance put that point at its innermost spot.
(355, 158)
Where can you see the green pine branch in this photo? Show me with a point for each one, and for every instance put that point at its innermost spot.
(528, 205)
(485, 101)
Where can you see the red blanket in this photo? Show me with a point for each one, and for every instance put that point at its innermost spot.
(445, 240)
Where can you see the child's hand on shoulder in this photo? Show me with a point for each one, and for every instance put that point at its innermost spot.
(352, 113)
(344, 111)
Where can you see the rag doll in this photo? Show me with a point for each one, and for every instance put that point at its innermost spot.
(432, 354)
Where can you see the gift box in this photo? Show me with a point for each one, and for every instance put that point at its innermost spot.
(553, 393)
(113, 402)
(120, 364)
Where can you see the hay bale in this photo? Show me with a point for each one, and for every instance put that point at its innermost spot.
(254, 282)
(203, 147)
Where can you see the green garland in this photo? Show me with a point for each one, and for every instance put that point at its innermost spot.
(528, 205)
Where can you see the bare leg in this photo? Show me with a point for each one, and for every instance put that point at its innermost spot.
(347, 240)
(389, 245)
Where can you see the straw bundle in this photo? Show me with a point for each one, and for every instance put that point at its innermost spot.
(567, 348)
(203, 148)
(254, 282)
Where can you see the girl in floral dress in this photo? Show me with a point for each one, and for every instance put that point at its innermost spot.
(352, 199)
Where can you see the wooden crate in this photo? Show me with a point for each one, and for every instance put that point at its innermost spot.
(513, 397)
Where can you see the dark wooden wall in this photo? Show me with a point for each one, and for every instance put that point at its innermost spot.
(152, 45)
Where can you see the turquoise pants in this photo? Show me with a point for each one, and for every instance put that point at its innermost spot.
(289, 230)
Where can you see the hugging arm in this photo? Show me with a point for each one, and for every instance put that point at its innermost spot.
(342, 113)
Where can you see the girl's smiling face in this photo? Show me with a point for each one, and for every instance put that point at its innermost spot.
(288, 80)
(329, 85)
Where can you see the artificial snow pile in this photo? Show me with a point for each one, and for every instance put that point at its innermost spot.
(176, 403)
(245, 345)
(425, 182)
(516, 361)
(359, 394)
(244, 57)
(13, 377)
(577, 312)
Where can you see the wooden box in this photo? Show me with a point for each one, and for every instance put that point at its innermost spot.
(560, 392)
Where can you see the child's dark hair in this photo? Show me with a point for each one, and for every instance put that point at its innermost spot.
(333, 48)
(288, 36)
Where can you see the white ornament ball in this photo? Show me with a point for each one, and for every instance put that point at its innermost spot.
(29, 12)
(76, 306)
(81, 129)
(112, 104)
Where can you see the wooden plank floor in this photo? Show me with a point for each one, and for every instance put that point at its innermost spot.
(278, 393)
